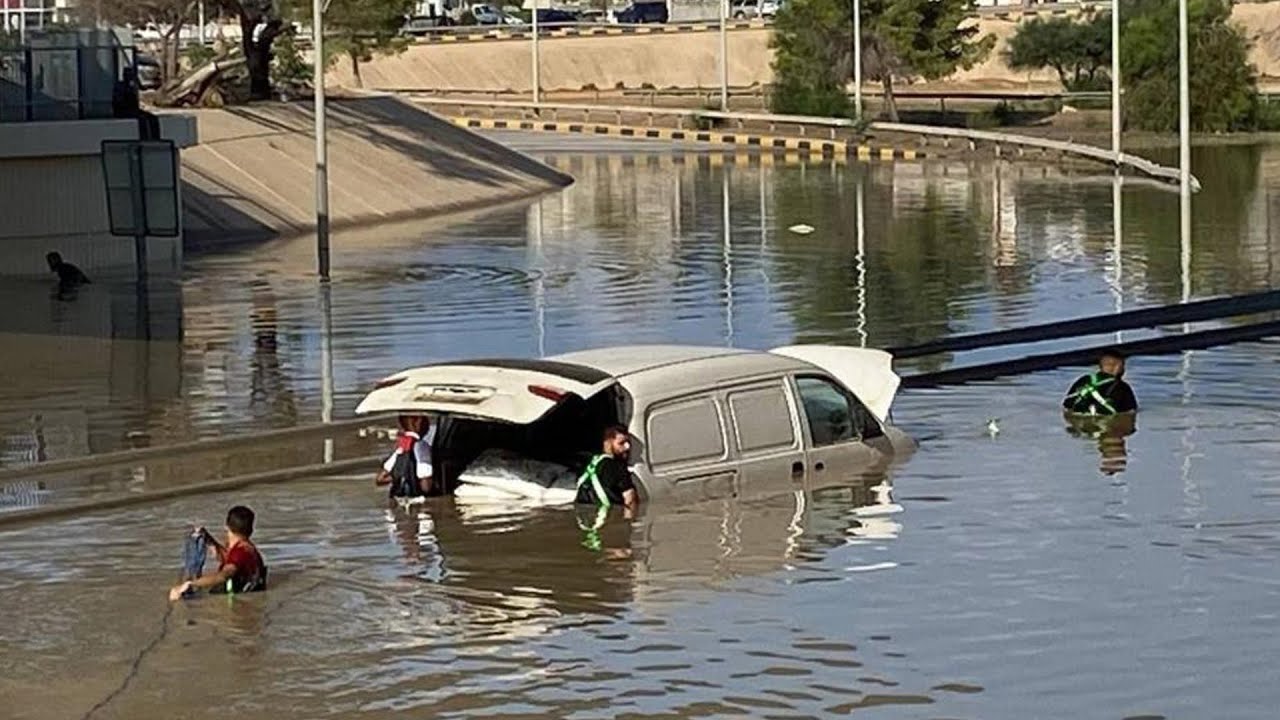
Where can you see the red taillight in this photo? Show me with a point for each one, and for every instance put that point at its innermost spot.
(389, 382)
(555, 395)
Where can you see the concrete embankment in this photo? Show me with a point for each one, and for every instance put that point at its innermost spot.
(690, 61)
(665, 60)
(251, 177)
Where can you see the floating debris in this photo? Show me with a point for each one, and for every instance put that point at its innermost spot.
(993, 427)
(801, 229)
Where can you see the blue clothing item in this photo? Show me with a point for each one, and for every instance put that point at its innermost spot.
(193, 555)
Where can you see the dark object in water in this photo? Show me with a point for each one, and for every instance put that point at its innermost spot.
(194, 551)
(68, 275)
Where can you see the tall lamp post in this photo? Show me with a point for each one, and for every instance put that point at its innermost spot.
(537, 81)
(724, 56)
(322, 150)
(1115, 79)
(1184, 147)
(857, 59)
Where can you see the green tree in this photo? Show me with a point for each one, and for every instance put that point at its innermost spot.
(810, 64)
(168, 16)
(909, 39)
(1078, 50)
(288, 68)
(1223, 84)
(901, 40)
(359, 29)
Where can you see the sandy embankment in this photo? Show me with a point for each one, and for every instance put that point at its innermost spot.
(689, 60)
(251, 177)
(683, 60)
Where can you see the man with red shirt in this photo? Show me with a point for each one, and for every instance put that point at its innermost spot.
(240, 565)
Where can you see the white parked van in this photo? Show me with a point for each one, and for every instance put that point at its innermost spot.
(702, 418)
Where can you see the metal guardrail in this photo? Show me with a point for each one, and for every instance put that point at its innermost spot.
(762, 91)
(227, 443)
(453, 34)
(1196, 311)
(1141, 164)
(973, 137)
(1042, 8)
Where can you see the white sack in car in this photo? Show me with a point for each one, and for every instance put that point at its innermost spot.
(500, 474)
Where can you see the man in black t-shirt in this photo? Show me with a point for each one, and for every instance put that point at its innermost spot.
(1104, 392)
(606, 481)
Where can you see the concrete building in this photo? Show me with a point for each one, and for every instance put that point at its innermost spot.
(61, 94)
(19, 16)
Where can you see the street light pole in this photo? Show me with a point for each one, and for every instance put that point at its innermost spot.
(1184, 132)
(326, 365)
(322, 151)
(724, 56)
(857, 59)
(1115, 79)
(537, 81)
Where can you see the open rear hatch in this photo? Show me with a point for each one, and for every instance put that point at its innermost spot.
(866, 371)
(513, 391)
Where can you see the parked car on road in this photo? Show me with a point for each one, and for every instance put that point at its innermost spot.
(769, 8)
(704, 420)
(556, 15)
(487, 15)
(744, 9)
(643, 12)
(420, 25)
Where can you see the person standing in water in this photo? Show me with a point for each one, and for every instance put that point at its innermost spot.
(606, 481)
(408, 470)
(1103, 392)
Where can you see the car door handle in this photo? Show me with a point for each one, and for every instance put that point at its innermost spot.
(797, 469)
(819, 466)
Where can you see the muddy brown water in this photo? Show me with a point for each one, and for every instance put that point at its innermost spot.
(1030, 574)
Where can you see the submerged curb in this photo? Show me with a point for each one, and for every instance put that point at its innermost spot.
(736, 140)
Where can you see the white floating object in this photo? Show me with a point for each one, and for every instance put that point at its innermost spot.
(801, 229)
(872, 567)
(993, 427)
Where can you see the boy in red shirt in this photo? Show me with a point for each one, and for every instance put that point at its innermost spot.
(240, 565)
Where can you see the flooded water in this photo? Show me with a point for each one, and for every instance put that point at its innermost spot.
(1032, 573)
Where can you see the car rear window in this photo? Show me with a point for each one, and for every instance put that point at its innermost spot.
(685, 432)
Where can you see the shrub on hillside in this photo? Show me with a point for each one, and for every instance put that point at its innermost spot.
(1223, 84)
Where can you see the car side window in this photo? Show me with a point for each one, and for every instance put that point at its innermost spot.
(761, 419)
(685, 432)
(834, 415)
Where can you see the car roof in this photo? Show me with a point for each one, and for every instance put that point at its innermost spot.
(522, 390)
(625, 360)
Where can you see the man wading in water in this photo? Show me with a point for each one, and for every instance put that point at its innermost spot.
(1104, 392)
(606, 482)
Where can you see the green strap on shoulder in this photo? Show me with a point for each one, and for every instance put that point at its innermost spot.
(590, 475)
(1096, 382)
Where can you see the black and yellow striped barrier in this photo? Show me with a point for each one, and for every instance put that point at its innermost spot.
(588, 31)
(740, 140)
